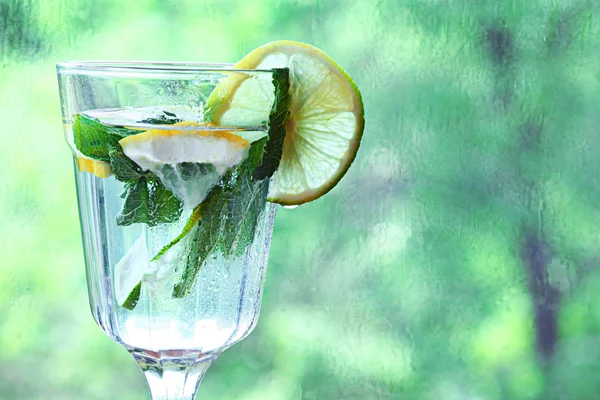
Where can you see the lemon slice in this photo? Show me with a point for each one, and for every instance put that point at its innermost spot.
(85, 164)
(99, 168)
(325, 124)
(189, 162)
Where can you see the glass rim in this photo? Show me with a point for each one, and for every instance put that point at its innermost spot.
(111, 67)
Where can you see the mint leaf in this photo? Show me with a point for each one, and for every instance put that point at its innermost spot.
(245, 208)
(229, 217)
(94, 139)
(245, 201)
(123, 167)
(277, 117)
(163, 206)
(91, 140)
(148, 202)
(133, 298)
(167, 118)
(204, 241)
(135, 207)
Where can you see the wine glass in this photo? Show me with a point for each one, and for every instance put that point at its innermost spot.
(173, 337)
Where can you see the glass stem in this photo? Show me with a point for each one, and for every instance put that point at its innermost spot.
(173, 378)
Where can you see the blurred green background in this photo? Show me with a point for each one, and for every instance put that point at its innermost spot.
(458, 259)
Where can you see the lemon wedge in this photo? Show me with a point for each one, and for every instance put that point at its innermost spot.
(189, 162)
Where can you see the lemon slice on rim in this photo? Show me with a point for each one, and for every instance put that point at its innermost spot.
(325, 125)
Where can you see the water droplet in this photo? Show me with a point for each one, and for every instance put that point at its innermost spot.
(290, 207)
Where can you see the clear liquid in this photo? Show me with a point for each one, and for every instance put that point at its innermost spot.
(224, 303)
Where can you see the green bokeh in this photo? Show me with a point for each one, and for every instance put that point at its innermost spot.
(458, 259)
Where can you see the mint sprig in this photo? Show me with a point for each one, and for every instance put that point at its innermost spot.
(231, 211)
(147, 200)
(228, 219)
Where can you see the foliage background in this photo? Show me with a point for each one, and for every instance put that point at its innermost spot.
(459, 258)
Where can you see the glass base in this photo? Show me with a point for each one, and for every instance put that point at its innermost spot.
(173, 374)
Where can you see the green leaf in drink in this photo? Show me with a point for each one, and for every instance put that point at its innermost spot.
(231, 211)
(277, 118)
(135, 207)
(166, 118)
(133, 297)
(92, 139)
(147, 200)
(229, 216)
(124, 169)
